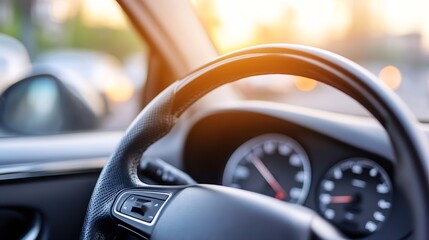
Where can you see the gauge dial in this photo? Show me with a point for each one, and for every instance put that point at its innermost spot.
(272, 164)
(356, 196)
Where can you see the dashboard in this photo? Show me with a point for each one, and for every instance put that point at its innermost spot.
(342, 167)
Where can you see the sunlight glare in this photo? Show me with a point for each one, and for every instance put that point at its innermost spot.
(314, 16)
(239, 19)
(240, 23)
(102, 13)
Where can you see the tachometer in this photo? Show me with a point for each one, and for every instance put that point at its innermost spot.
(272, 164)
(356, 196)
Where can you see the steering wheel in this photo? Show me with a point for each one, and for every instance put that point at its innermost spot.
(122, 201)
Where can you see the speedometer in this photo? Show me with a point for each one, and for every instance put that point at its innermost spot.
(272, 164)
(356, 196)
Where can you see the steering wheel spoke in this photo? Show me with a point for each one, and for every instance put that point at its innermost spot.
(216, 211)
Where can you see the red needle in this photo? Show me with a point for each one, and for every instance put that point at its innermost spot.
(341, 199)
(275, 185)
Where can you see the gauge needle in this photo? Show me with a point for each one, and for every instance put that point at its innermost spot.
(266, 174)
(341, 199)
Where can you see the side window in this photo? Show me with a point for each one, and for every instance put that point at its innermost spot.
(68, 66)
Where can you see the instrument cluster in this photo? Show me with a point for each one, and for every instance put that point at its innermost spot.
(355, 194)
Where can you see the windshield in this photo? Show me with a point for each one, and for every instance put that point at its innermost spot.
(389, 38)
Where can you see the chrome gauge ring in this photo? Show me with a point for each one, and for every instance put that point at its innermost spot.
(271, 164)
(356, 195)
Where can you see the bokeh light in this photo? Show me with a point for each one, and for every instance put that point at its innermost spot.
(305, 84)
(391, 76)
(118, 89)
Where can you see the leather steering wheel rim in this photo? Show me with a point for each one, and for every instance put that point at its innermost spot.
(156, 120)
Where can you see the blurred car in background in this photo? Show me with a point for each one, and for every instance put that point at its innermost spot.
(14, 60)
